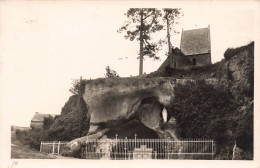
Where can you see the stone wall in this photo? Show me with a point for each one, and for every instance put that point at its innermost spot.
(178, 61)
(201, 59)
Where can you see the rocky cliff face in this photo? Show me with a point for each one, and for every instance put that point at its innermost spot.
(113, 101)
(113, 98)
(237, 71)
(126, 106)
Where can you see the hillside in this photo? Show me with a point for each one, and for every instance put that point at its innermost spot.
(235, 74)
(215, 99)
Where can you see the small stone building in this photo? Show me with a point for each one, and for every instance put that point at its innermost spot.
(195, 50)
(195, 45)
(38, 118)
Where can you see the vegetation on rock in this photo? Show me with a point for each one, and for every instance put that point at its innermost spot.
(202, 110)
(111, 73)
(230, 52)
(73, 121)
(78, 86)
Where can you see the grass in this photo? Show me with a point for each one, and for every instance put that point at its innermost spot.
(21, 151)
(25, 152)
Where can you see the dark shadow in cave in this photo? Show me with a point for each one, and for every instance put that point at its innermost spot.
(131, 128)
(147, 118)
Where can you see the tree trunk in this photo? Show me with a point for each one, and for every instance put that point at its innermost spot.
(169, 39)
(141, 45)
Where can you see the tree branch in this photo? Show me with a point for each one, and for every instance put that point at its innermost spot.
(149, 14)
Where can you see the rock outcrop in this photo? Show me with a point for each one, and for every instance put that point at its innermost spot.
(237, 72)
(125, 106)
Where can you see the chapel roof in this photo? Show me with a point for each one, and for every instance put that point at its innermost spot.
(196, 41)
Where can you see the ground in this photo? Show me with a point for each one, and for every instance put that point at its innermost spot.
(21, 151)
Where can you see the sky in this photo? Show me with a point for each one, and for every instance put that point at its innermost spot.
(44, 45)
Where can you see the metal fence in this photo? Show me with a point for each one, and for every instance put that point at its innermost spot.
(53, 147)
(128, 149)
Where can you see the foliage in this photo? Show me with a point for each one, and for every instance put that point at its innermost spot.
(47, 122)
(171, 16)
(197, 104)
(200, 72)
(202, 110)
(205, 111)
(32, 137)
(78, 86)
(111, 73)
(230, 52)
(73, 121)
(141, 24)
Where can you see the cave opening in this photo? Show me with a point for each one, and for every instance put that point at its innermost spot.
(148, 119)
(152, 112)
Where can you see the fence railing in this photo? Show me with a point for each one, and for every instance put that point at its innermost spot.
(53, 147)
(128, 149)
(124, 149)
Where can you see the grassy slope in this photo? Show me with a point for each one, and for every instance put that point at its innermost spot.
(25, 152)
(200, 72)
(21, 151)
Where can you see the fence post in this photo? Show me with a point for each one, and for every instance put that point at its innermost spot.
(116, 147)
(59, 148)
(53, 147)
(212, 150)
(168, 146)
(41, 147)
(125, 146)
(135, 139)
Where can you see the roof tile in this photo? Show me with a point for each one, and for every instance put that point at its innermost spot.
(195, 41)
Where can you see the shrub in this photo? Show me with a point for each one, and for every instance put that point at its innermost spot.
(73, 121)
(78, 86)
(47, 122)
(32, 137)
(230, 52)
(205, 111)
(111, 73)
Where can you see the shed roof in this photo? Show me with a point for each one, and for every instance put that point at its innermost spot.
(40, 117)
(196, 41)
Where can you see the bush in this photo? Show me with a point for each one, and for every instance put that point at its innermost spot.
(73, 121)
(47, 122)
(78, 86)
(205, 111)
(230, 52)
(32, 137)
(21, 135)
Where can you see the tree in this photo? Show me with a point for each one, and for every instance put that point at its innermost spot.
(73, 122)
(78, 86)
(197, 105)
(141, 23)
(170, 17)
(47, 122)
(111, 73)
